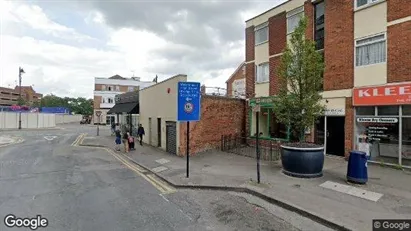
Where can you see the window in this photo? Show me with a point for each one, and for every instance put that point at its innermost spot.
(110, 100)
(130, 89)
(406, 110)
(104, 100)
(319, 26)
(261, 33)
(361, 3)
(388, 110)
(110, 88)
(370, 50)
(293, 18)
(262, 73)
(365, 111)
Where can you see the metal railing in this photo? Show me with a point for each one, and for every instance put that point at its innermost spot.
(246, 146)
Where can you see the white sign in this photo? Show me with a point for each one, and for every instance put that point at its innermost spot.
(377, 120)
(238, 88)
(334, 111)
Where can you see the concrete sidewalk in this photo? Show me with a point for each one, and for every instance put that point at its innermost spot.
(387, 194)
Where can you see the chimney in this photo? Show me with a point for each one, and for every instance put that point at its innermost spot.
(203, 89)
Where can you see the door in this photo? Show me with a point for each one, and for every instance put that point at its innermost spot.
(319, 131)
(159, 132)
(335, 135)
(171, 137)
(149, 131)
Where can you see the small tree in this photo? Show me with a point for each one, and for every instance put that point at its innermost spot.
(298, 101)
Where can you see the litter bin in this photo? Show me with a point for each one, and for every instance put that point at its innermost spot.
(357, 171)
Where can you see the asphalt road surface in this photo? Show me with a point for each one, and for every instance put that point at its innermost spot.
(79, 188)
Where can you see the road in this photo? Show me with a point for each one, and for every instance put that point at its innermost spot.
(79, 188)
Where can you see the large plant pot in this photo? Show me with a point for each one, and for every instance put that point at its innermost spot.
(304, 161)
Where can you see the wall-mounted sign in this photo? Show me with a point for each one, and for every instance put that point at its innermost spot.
(382, 95)
(262, 101)
(334, 112)
(238, 88)
(377, 120)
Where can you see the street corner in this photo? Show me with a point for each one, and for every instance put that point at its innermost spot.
(9, 140)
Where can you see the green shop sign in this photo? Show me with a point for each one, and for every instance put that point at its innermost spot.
(262, 101)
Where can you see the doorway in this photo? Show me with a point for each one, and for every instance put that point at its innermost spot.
(159, 132)
(171, 137)
(149, 131)
(335, 135)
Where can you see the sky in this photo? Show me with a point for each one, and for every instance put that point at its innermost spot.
(63, 45)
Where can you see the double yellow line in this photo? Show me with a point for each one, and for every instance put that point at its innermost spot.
(163, 187)
(79, 139)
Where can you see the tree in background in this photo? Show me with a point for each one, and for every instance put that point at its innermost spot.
(78, 105)
(298, 103)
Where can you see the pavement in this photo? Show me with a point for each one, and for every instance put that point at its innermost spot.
(329, 200)
(89, 188)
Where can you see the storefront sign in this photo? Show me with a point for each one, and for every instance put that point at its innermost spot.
(383, 95)
(262, 101)
(377, 120)
(334, 112)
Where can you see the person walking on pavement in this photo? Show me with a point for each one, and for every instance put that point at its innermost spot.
(125, 141)
(140, 133)
(113, 129)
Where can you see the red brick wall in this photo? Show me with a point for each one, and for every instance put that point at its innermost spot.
(219, 116)
(249, 44)
(277, 32)
(239, 74)
(250, 80)
(349, 125)
(339, 45)
(397, 9)
(399, 52)
(274, 78)
(309, 13)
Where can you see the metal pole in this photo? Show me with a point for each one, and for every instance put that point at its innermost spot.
(98, 128)
(188, 145)
(257, 115)
(20, 96)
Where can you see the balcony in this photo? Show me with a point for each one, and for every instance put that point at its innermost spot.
(106, 105)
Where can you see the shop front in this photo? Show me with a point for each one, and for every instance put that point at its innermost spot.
(383, 123)
(269, 128)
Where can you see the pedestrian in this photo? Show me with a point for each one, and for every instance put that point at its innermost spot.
(113, 128)
(140, 133)
(125, 141)
(117, 128)
(118, 140)
(130, 141)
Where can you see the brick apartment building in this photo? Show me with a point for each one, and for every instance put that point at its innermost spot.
(10, 96)
(105, 91)
(367, 76)
(236, 82)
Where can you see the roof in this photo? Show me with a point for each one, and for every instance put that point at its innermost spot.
(128, 97)
(268, 10)
(129, 108)
(235, 72)
(116, 77)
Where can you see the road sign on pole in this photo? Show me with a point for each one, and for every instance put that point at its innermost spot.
(188, 109)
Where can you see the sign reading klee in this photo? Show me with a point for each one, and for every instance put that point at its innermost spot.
(394, 94)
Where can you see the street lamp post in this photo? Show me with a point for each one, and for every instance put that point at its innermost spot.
(21, 71)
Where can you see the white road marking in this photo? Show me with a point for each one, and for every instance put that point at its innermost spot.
(164, 197)
(159, 169)
(162, 161)
(353, 191)
(49, 138)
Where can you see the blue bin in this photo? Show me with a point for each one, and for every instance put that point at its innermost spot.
(357, 171)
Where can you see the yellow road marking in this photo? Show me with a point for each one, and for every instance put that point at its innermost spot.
(152, 179)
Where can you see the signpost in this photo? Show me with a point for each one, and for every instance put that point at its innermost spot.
(257, 109)
(98, 114)
(188, 108)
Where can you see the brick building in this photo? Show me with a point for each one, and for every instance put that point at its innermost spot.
(367, 76)
(105, 91)
(236, 82)
(10, 96)
(220, 115)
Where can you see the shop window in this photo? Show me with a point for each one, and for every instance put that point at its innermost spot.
(277, 130)
(365, 111)
(388, 110)
(406, 141)
(379, 138)
(406, 110)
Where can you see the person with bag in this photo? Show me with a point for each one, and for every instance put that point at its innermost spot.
(130, 142)
(118, 140)
(125, 141)
(140, 132)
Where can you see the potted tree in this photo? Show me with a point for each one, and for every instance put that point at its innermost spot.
(298, 104)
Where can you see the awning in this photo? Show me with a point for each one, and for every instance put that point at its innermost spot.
(129, 108)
